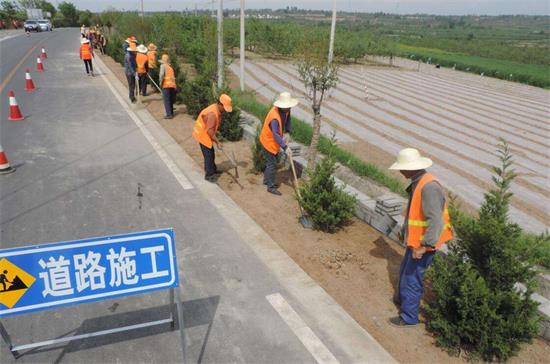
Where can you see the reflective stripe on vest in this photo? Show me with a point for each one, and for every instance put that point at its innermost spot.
(417, 223)
(141, 59)
(169, 80)
(266, 136)
(152, 57)
(200, 131)
(85, 51)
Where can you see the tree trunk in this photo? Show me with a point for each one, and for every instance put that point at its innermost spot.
(312, 154)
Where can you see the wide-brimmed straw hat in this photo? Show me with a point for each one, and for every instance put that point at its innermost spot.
(285, 101)
(84, 40)
(142, 49)
(152, 47)
(227, 103)
(409, 159)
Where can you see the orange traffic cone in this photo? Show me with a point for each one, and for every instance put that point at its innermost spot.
(5, 167)
(39, 65)
(29, 85)
(15, 112)
(44, 54)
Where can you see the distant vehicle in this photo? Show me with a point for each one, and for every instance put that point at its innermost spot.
(34, 14)
(45, 25)
(32, 26)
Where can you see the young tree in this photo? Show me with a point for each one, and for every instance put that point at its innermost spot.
(318, 76)
(69, 12)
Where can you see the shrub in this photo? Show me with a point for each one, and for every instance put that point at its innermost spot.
(328, 205)
(114, 49)
(197, 95)
(477, 307)
(230, 128)
(258, 159)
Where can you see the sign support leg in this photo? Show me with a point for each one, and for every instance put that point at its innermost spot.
(180, 323)
(7, 340)
(172, 309)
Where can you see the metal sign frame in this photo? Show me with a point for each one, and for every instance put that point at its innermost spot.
(176, 308)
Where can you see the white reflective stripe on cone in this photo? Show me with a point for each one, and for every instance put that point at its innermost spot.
(27, 76)
(13, 101)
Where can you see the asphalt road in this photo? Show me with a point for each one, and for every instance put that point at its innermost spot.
(80, 161)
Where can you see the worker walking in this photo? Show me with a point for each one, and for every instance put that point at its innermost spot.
(142, 67)
(204, 132)
(130, 71)
(276, 123)
(86, 54)
(167, 81)
(426, 228)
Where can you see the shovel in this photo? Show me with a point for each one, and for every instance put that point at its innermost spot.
(306, 223)
(154, 83)
(232, 160)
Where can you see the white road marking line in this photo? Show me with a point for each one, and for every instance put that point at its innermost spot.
(308, 338)
(182, 179)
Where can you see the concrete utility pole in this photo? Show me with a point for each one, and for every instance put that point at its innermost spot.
(242, 45)
(213, 1)
(220, 44)
(142, 13)
(332, 31)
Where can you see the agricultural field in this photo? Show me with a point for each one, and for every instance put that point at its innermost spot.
(454, 117)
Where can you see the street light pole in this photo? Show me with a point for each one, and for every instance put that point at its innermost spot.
(220, 44)
(242, 55)
(332, 31)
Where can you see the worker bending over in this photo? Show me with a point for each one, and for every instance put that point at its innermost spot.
(426, 228)
(204, 132)
(276, 123)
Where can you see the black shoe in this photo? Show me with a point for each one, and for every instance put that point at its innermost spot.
(398, 322)
(133, 101)
(274, 191)
(169, 117)
(211, 179)
(218, 172)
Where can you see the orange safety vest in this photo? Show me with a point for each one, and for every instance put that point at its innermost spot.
(417, 223)
(200, 130)
(85, 51)
(141, 59)
(266, 136)
(169, 80)
(152, 56)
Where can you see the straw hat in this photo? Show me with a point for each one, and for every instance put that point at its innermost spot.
(227, 103)
(165, 58)
(409, 159)
(84, 40)
(152, 47)
(285, 101)
(142, 49)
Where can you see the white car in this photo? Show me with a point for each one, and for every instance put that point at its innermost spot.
(45, 25)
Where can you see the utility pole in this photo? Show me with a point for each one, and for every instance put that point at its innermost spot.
(196, 9)
(332, 31)
(213, 1)
(142, 13)
(220, 44)
(242, 46)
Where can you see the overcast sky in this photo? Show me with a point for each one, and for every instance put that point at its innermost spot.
(443, 7)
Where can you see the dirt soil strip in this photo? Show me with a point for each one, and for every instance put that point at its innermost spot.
(357, 266)
(399, 136)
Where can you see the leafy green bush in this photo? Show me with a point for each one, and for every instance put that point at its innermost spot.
(328, 206)
(114, 49)
(197, 95)
(477, 307)
(258, 158)
(229, 127)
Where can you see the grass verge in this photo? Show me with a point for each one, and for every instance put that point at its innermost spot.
(302, 132)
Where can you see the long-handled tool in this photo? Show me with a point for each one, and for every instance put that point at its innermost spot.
(306, 223)
(154, 83)
(232, 160)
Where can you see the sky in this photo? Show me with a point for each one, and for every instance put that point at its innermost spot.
(439, 7)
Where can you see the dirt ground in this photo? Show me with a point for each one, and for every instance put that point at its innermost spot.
(357, 266)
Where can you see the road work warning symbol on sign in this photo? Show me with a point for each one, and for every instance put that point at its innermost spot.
(14, 282)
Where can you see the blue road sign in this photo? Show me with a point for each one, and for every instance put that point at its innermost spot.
(46, 276)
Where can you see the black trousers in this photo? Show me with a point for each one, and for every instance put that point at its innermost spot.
(270, 168)
(131, 87)
(169, 98)
(143, 84)
(209, 161)
(88, 64)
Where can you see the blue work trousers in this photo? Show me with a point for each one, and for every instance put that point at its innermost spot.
(411, 284)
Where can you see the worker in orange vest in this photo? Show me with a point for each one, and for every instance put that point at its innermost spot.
(142, 67)
(86, 54)
(425, 229)
(167, 82)
(131, 41)
(204, 132)
(276, 123)
(152, 56)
